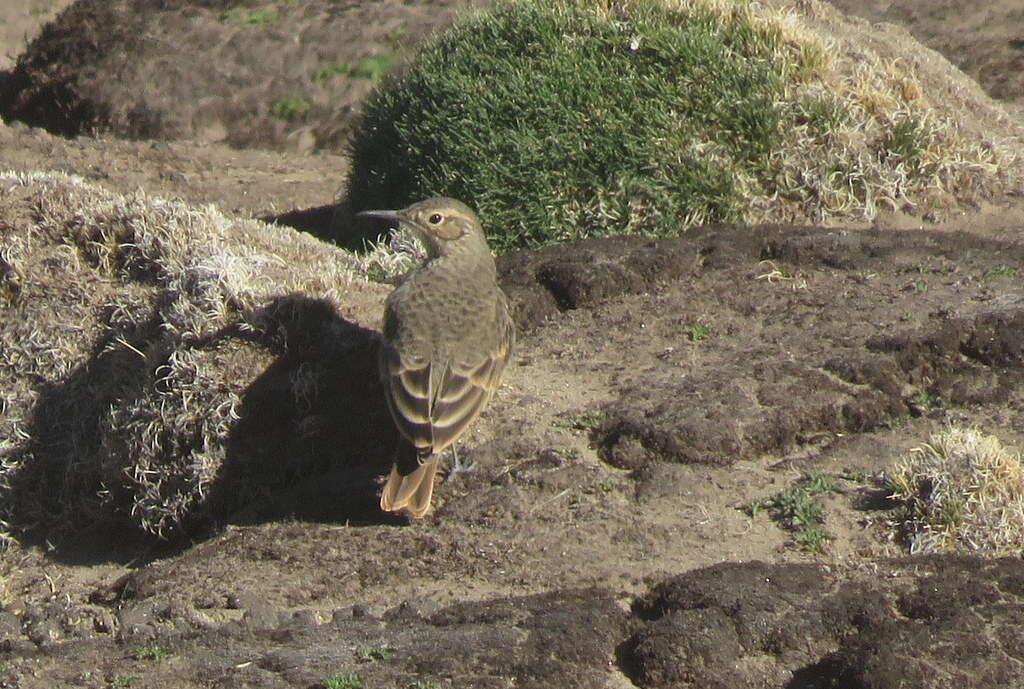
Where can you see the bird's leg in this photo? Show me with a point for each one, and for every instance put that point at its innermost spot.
(458, 467)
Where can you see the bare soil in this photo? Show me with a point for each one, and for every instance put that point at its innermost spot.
(601, 539)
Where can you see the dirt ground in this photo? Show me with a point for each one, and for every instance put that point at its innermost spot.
(601, 539)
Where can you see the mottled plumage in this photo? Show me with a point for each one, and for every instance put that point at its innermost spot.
(447, 337)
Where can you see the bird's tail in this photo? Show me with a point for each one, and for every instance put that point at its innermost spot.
(410, 491)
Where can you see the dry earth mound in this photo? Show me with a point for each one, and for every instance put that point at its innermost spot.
(261, 75)
(140, 337)
(985, 42)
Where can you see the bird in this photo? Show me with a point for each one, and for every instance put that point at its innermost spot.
(447, 336)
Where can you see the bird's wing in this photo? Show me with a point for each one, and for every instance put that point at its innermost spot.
(467, 383)
(407, 387)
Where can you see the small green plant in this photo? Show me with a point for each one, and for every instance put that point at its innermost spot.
(607, 485)
(797, 510)
(371, 653)
(6, 665)
(345, 680)
(329, 70)
(697, 332)
(907, 139)
(855, 475)
(811, 538)
(423, 684)
(894, 423)
(289, 107)
(374, 67)
(824, 114)
(150, 652)
(567, 452)
(258, 16)
(123, 680)
(376, 273)
(919, 286)
(580, 421)
(927, 399)
(1000, 271)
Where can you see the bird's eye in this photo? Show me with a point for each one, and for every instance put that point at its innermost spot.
(435, 218)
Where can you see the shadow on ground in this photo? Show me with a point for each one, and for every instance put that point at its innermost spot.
(308, 441)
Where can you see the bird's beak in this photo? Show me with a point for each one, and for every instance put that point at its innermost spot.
(391, 216)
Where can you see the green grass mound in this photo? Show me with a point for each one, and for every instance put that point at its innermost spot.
(567, 119)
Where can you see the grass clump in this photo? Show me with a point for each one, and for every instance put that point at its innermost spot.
(566, 120)
(961, 491)
(344, 680)
(250, 16)
(999, 271)
(371, 653)
(150, 652)
(697, 332)
(290, 107)
(797, 510)
(372, 67)
(123, 680)
(579, 421)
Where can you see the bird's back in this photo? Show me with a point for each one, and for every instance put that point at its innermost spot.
(447, 337)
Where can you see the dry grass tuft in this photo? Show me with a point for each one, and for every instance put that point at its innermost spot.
(961, 491)
(126, 346)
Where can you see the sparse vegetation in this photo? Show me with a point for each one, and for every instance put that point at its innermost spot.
(124, 680)
(150, 652)
(1000, 271)
(908, 140)
(927, 399)
(252, 16)
(372, 67)
(697, 332)
(370, 653)
(773, 272)
(349, 680)
(290, 107)
(579, 421)
(797, 510)
(328, 70)
(388, 258)
(961, 491)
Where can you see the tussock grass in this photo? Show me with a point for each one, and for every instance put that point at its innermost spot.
(565, 119)
(961, 491)
(123, 379)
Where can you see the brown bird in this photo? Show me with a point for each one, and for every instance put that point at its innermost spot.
(447, 337)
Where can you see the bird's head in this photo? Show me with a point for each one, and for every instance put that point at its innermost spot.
(445, 226)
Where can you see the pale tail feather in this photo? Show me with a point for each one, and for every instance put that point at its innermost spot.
(410, 493)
